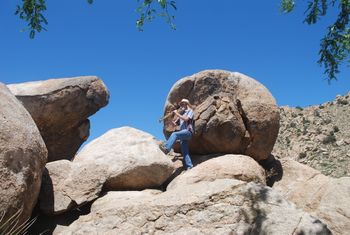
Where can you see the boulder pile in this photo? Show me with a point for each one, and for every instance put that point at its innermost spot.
(129, 186)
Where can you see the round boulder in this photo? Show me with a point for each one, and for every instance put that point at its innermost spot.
(22, 158)
(233, 113)
(131, 158)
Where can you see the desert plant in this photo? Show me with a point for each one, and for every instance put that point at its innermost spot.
(326, 121)
(305, 130)
(330, 138)
(11, 226)
(305, 121)
(299, 108)
(318, 130)
(287, 141)
(317, 113)
(302, 155)
(335, 128)
(342, 102)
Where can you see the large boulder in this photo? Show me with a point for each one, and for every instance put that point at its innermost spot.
(325, 197)
(225, 206)
(233, 113)
(22, 158)
(222, 167)
(132, 159)
(60, 108)
(121, 159)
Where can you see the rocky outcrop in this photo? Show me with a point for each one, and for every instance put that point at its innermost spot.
(220, 207)
(317, 135)
(222, 167)
(325, 197)
(121, 159)
(233, 113)
(22, 158)
(60, 109)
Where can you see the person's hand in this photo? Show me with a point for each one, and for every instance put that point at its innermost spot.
(176, 112)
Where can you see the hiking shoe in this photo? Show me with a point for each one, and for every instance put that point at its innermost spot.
(163, 148)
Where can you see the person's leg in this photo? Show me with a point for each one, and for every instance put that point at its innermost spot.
(187, 162)
(177, 135)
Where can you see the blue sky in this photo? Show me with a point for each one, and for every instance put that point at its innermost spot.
(139, 68)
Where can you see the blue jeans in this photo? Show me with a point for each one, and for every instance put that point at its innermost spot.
(183, 136)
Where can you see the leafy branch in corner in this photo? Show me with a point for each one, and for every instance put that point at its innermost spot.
(31, 11)
(335, 46)
(147, 12)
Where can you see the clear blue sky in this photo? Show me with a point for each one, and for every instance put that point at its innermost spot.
(251, 37)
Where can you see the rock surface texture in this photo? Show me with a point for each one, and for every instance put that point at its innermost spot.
(60, 109)
(121, 159)
(222, 167)
(22, 157)
(68, 185)
(219, 207)
(233, 113)
(325, 197)
(132, 159)
(318, 136)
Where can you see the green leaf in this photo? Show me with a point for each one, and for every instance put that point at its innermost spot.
(162, 3)
(287, 6)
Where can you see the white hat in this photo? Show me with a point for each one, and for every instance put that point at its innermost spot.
(185, 101)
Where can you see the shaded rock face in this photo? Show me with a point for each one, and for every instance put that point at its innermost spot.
(22, 157)
(60, 108)
(233, 113)
(325, 197)
(228, 166)
(219, 207)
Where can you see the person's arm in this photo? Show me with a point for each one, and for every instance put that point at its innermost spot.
(184, 117)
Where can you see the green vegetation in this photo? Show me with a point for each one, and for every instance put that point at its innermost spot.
(330, 138)
(317, 113)
(302, 155)
(335, 129)
(342, 102)
(318, 130)
(335, 45)
(292, 124)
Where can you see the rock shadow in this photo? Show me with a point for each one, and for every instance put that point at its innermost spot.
(273, 168)
(45, 225)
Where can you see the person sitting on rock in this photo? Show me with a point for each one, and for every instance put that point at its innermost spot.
(185, 121)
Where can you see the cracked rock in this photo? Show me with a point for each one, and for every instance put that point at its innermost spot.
(233, 113)
(224, 206)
